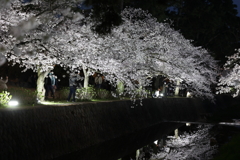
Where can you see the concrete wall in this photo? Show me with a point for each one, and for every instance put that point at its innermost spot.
(51, 132)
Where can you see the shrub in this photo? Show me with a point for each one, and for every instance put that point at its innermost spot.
(86, 93)
(62, 94)
(104, 94)
(23, 95)
(5, 97)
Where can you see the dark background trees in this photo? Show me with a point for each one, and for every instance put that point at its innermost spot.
(212, 24)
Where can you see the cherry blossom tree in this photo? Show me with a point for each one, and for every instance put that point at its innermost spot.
(147, 48)
(138, 49)
(26, 29)
(229, 81)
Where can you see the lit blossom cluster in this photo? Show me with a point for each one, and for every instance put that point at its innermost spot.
(137, 50)
(134, 52)
(229, 81)
(27, 27)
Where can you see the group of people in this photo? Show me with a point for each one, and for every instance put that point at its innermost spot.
(167, 89)
(50, 85)
(74, 83)
(74, 79)
(98, 80)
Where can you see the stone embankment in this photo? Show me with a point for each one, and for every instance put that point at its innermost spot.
(58, 132)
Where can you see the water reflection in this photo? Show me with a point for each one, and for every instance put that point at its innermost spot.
(114, 149)
(198, 141)
(195, 142)
(189, 145)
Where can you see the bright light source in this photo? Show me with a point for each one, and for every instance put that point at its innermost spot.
(46, 103)
(161, 94)
(189, 95)
(13, 103)
(188, 124)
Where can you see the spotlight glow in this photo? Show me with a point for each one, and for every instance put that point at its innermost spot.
(46, 103)
(13, 103)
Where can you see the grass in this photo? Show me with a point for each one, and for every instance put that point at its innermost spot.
(27, 96)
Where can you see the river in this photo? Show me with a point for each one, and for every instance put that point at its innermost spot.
(193, 142)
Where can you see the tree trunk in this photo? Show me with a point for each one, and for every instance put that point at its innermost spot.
(177, 88)
(86, 77)
(40, 85)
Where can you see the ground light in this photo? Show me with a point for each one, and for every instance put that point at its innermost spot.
(13, 103)
(53, 103)
(48, 103)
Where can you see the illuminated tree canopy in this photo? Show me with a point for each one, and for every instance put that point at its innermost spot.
(134, 52)
(229, 81)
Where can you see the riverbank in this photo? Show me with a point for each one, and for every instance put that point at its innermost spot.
(52, 131)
